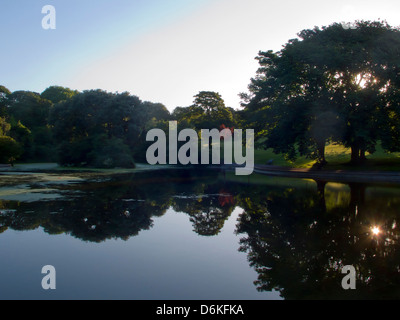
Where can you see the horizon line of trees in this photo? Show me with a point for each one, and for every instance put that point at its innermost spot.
(93, 128)
(330, 85)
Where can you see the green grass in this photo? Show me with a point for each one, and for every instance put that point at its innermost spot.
(338, 157)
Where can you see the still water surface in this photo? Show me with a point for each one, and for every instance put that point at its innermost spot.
(180, 234)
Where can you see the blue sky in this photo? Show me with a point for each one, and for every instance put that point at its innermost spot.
(160, 50)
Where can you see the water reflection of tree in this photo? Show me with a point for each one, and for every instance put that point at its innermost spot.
(206, 214)
(208, 206)
(99, 213)
(125, 205)
(299, 240)
(97, 210)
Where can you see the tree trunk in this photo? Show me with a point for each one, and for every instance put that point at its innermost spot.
(321, 153)
(321, 193)
(355, 154)
(357, 198)
(362, 155)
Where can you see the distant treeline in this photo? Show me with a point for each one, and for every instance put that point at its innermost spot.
(338, 84)
(93, 128)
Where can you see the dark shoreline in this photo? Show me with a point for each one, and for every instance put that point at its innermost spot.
(330, 175)
(391, 177)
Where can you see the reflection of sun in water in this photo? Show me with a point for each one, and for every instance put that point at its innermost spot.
(375, 230)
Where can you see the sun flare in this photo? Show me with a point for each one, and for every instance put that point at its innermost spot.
(375, 230)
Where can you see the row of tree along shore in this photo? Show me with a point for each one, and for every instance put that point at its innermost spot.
(335, 84)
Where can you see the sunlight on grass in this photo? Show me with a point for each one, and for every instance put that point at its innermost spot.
(338, 157)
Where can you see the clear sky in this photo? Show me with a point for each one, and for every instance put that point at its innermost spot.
(160, 50)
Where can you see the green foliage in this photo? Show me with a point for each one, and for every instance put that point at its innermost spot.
(4, 94)
(29, 108)
(23, 135)
(93, 128)
(4, 91)
(79, 122)
(156, 111)
(43, 144)
(331, 84)
(207, 112)
(10, 150)
(209, 101)
(29, 116)
(111, 154)
(4, 127)
(57, 94)
(102, 129)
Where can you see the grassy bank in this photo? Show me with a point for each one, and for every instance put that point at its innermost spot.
(338, 158)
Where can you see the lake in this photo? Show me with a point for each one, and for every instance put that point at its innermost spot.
(186, 234)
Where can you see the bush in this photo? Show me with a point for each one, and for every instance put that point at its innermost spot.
(114, 153)
(10, 150)
(98, 152)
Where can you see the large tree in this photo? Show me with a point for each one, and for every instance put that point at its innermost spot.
(207, 112)
(16, 142)
(29, 116)
(155, 111)
(58, 94)
(331, 84)
(103, 129)
(87, 125)
(29, 108)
